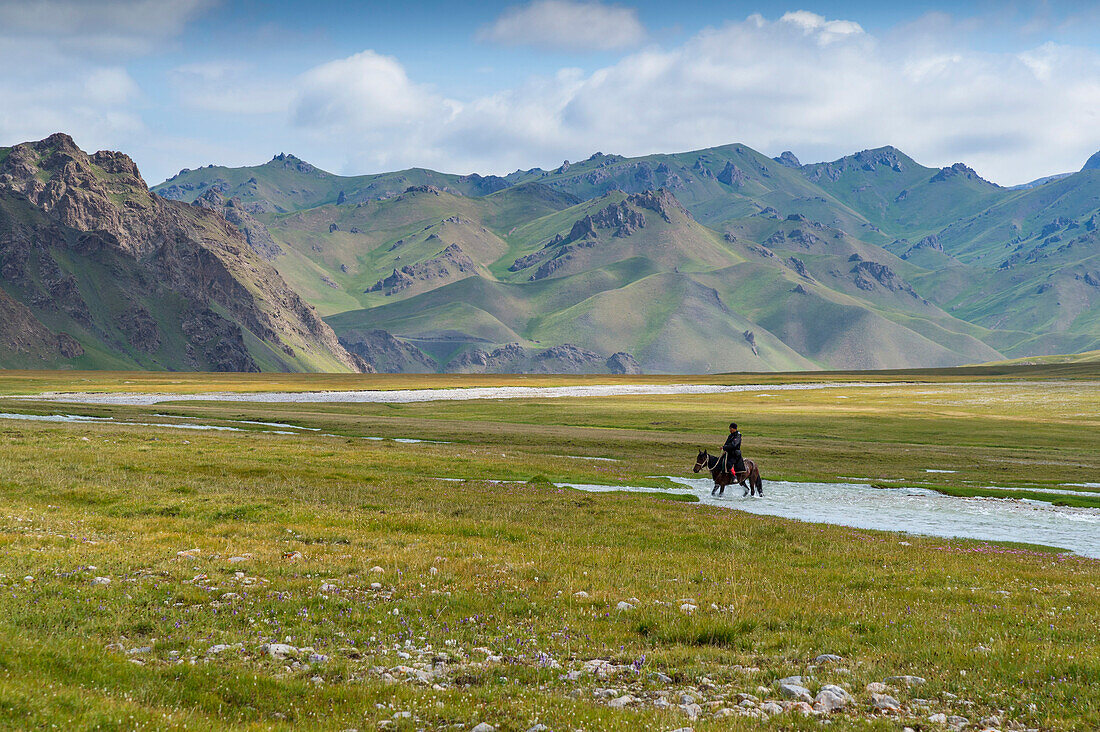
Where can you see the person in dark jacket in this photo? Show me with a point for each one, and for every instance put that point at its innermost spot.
(732, 450)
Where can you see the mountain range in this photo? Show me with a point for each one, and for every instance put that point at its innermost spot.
(714, 260)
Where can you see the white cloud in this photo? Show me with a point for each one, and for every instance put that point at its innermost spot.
(567, 25)
(119, 16)
(65, 68)
(823, 88)
(366, 90)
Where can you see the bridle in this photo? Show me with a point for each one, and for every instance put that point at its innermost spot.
(705, 463)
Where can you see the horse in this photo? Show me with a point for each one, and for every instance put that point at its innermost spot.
(717, 466)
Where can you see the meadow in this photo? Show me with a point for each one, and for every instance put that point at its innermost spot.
(153, 577)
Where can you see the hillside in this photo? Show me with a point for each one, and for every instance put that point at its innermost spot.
(100, 273)
(869, 261)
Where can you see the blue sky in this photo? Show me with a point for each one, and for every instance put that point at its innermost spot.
(1012, 89)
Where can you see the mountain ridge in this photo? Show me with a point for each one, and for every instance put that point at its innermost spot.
(138, 280)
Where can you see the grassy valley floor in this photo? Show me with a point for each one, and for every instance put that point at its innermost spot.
(168, 578)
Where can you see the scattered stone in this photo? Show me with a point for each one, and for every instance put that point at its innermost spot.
(662, 678)
(795, 691)
(790, 680)
(377, 570)
(885, 703)
(771, 708)
(957, 722)
(691, 710)
(219, 648)
(539, 728)
(828, 658)
(831, 698)
(329, 587)
(188, 553)
(804, 708)
(622, 701)
(875, 687)
(904, 680)
(101, 581)
(236, 560)
(688, 608)
(582, 594)
(623, 606)
(483, 727)
(278, 650)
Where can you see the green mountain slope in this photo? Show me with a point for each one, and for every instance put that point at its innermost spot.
(872, 260)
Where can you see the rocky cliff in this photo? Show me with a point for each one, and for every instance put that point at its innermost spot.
(135, 280)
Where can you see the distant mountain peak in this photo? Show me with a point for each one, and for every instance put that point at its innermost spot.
(1093, 163)
(958, 170)
(788, 159)
(292, 162)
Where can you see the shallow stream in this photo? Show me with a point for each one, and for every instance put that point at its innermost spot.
(911, 510)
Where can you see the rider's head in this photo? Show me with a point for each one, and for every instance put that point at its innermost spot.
(733, 426)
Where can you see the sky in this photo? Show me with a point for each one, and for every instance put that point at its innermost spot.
(1010, 88)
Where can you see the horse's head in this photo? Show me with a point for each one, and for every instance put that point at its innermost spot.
(701, 461)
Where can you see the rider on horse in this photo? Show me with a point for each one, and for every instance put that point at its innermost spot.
(732, 451)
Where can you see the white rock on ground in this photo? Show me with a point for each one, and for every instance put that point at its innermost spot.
(623, 606)
(885, 703)
(484, 727)
(875, 687)
(101, 581)
(770, 708)
(377, 570)
(829, 700)
(278, 650)
(795, 691)
(904, 680)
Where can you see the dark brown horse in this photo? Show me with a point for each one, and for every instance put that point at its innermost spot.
(749, 479)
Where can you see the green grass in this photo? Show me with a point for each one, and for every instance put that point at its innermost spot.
(997, 629)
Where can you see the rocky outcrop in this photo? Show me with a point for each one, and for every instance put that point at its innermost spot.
(731, 175)
(98, 208)
(787, 159)
(958, 170)
(23, 335)
(451, 261)
(231, 209)
(930, 242)
(868, 161)
(750, 338)
(563, 359)
(867, 274)
(140, 328)
(616, 220)
(799, 266)
(623, 363)
(220, 342)
(385, 354)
